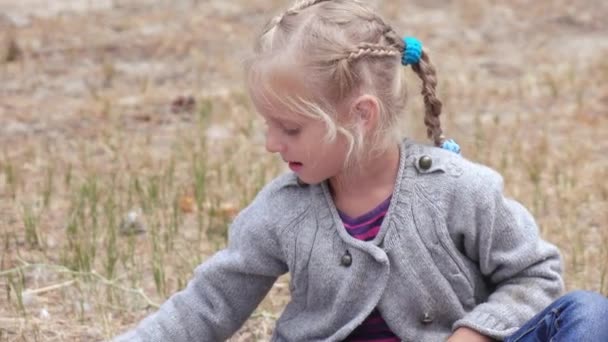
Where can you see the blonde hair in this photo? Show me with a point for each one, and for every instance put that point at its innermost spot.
(341, 49)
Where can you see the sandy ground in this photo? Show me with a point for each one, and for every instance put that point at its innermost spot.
(78, 51)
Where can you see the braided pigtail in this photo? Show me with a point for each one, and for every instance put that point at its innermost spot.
(344, 72)
(371, 50)
(432, 105)
(418, 58)
(271, 27)
(300, 5)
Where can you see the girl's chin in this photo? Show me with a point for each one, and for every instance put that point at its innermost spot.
(302, 179)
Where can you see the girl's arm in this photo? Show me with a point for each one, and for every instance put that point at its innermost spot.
(523, 270)
(224, 290)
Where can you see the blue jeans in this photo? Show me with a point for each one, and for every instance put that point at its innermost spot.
(579, 316)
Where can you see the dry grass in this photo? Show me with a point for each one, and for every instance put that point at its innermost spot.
(96, 124)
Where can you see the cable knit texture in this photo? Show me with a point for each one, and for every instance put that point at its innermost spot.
(452, 251)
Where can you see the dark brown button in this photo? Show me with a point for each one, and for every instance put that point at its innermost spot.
(346, 260)
(425, 162)
(427, 318)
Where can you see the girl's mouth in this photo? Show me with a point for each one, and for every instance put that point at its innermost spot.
(295, 166)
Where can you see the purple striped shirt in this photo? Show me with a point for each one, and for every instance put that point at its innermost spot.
(365, 228)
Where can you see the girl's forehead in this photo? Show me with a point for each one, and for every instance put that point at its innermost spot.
(286, 91)
(276, 111)
(277, 95)
(288, 82)
(282, 75)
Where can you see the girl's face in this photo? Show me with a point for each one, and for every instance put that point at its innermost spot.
(298, 138)
(301, 143)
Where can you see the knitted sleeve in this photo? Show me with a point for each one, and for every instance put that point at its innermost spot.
(503, 238)
(225, 289)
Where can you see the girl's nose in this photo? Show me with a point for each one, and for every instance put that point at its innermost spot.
(273, 145)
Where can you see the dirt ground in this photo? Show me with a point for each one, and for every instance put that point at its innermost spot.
(77, 53)
(79, 69)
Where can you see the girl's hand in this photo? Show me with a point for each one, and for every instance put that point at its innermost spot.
(464, 334)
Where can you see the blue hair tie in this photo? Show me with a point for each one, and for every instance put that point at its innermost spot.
(412, 51)
(451, 145)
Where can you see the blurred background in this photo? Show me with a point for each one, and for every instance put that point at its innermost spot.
(128, 142)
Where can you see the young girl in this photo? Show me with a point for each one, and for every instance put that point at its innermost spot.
(385, 240)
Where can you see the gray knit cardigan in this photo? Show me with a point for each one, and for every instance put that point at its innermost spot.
(452, 251)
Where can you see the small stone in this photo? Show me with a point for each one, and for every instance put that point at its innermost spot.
(132, 224)
(28, 298)
(183, 104)
(44, 314)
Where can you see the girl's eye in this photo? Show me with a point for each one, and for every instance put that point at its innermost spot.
(291, 131)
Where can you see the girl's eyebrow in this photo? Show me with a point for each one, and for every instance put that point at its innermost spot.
(283, 121)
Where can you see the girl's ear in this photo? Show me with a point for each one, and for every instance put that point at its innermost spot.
(365, 110)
